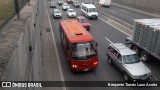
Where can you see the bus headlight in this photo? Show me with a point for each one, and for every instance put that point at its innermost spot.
(74, 66)
(95, 63)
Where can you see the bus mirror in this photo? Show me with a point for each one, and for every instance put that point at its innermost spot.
(96, 44)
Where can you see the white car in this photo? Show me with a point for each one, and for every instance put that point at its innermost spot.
(71, 13)
(65, 6)
(53, 5)
(60, 2)
(57, 13)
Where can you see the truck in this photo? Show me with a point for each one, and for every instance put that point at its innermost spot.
(104, 3)
(146, 38)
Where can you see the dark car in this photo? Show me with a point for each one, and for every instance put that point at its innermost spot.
(84, 22)
(76, 4)
(53, 5)
(60, 2)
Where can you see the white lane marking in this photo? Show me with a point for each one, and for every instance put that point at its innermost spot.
(109, 40)
(57, 55)
(118, 19)
(124, 11)
(113, 11)
(114, 26)
(119, 24)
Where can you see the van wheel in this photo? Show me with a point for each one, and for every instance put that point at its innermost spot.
(144, 56)
(83, 14)
(125, 76)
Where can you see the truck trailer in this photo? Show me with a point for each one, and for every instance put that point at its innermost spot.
(104, 3)
(146, 38)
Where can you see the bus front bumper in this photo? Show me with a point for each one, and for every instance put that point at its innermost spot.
(83, 67)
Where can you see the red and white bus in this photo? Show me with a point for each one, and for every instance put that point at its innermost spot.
(79, 46)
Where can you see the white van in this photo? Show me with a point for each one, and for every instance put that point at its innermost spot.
(105, 3)
(89, 10)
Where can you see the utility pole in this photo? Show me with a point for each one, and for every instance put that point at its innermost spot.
(93, 2)
(17, 9)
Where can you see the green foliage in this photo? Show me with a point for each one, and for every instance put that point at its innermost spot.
(7, 10)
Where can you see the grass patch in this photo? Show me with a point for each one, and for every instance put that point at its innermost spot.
(7, 10)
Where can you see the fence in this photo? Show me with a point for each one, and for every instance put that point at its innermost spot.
(8, 9)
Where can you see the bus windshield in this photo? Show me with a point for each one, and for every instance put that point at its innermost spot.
(83, 51)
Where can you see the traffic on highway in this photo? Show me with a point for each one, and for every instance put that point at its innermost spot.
(103, 42)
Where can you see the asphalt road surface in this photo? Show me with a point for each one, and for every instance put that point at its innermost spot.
(104, 33)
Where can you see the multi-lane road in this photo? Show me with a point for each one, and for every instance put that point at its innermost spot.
(112, 26)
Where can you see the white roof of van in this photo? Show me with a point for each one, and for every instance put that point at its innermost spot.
(88, 5)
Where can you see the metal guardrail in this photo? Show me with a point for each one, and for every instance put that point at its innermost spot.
(8, 8)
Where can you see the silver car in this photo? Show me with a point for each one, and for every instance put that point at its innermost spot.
(76, 4)
(60, 2)
(53, 5)
(57, 13)
(71, 13)
(65, 6)
(128, 62)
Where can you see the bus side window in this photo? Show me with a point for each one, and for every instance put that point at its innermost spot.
(67, 44)
(62, 36)
(65, 40)
(68, 48)
(60, 28)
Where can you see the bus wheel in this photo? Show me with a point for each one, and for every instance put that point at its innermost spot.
(135, 48)
(144, 56)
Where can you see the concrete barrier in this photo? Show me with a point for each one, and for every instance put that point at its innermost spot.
(150, 6)
(20, 48)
